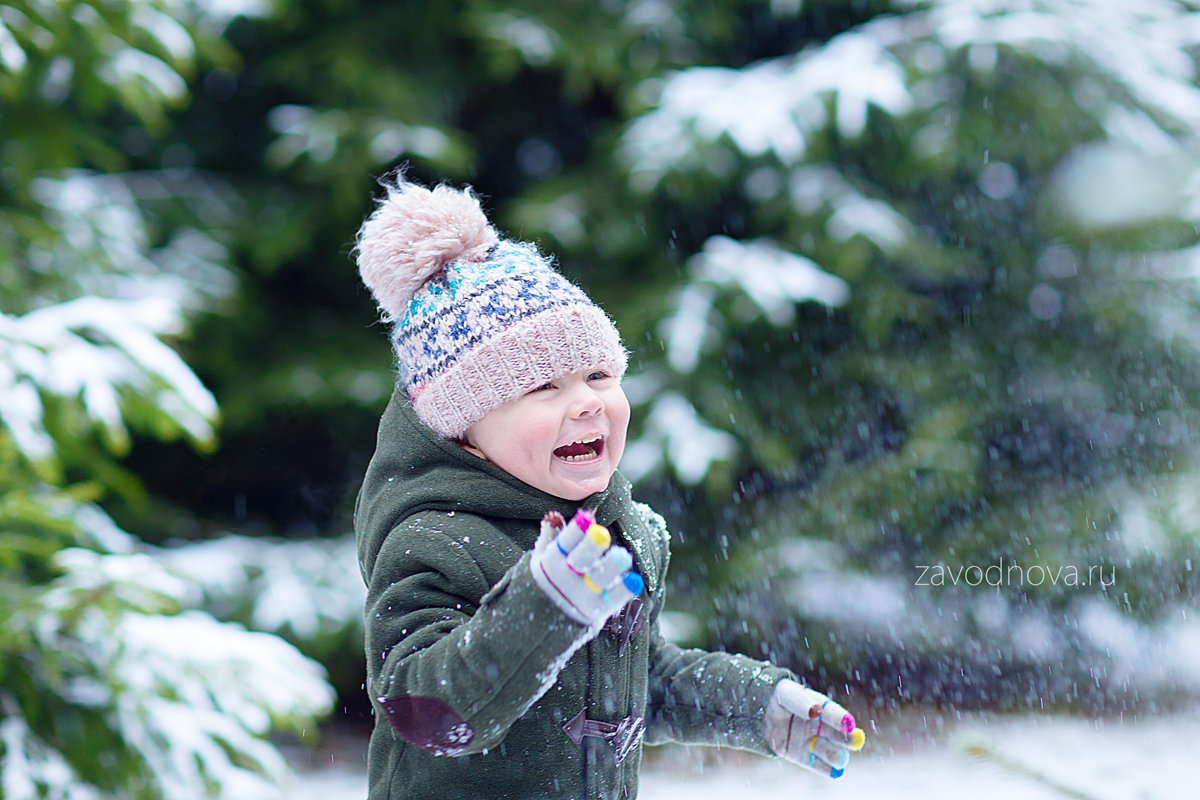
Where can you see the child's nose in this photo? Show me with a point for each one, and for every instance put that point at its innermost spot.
(586, 402)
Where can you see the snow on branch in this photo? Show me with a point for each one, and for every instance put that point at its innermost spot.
(1144, 46)
(773, 106)
(305, 132)
(33, 767)
(773, 278)
(104, 353)
(297, 587)
(102, 234)
(1142, 88)
(139, 52)
(191, 701)
(676, 432)
(814, 188)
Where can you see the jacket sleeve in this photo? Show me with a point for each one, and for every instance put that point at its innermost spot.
(702, 697)
(451, 661)
(713, 698)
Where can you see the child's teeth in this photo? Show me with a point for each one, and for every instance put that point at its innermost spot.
(590, 451)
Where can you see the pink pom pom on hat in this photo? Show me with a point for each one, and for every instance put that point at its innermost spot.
(476, 320)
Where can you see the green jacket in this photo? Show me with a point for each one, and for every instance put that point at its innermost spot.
(482, 687)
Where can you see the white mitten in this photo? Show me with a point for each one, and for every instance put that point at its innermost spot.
(579, 568)
(808, 728)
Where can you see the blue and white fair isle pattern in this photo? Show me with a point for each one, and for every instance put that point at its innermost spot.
(471, 302)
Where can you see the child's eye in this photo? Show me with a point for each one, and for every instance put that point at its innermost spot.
(598, 376)
(544, 387)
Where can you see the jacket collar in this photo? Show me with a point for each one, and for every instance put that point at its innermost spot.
(414, 469)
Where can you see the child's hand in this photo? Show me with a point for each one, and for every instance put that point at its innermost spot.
(808, 728)
(577, 568)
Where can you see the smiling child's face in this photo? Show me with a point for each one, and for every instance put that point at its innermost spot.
(564, 438)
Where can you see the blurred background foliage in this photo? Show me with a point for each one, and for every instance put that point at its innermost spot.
(908, 286)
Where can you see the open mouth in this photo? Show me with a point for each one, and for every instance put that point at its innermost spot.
(582, 450)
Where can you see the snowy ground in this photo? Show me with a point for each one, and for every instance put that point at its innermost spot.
(929, 756)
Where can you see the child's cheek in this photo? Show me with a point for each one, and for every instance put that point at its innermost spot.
(539, 438)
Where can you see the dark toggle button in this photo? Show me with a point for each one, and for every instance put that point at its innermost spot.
(625, 624)
(623, 736)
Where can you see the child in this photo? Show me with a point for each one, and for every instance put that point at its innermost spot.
(511, 653)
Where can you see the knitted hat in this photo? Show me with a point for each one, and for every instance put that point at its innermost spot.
(476, 320)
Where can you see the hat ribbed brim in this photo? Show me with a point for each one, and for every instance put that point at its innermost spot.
(539, 349)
